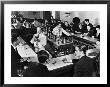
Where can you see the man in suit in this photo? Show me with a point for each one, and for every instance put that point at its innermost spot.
(85, 26)
(85, 66)
(38, 69)
(90, 31)
(15, 58)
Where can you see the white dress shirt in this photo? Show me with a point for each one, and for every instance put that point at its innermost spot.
(58, 31)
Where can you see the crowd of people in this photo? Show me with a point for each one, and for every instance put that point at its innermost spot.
(76, 27)
(84, 67)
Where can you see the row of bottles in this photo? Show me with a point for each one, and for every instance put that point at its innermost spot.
(62, 40)
(62, 51)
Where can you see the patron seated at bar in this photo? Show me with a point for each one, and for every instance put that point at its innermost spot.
(75, 25)
(98, 32)
(85, 66)
(90, 31)
(77, 52)
(38, 69)
(66, 26)
(85, 24)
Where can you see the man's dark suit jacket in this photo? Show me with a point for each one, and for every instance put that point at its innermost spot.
(15, 58)
(84, 67)
(36, 71)
(92, 32)
(84, 28)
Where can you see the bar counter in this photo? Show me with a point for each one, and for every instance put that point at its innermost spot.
(59, 65)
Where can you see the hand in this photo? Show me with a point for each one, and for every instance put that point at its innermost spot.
(72, 33)
(92, 37)
(84, 34)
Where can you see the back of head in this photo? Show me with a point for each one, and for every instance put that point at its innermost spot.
(42, 56)
(76, 20)
(42, 59)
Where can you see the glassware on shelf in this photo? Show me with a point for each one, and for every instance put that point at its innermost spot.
(67, 51)
(62, 52)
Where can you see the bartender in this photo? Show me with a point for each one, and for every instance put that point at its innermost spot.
(58, 31)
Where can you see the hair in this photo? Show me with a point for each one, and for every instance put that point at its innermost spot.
(84, 49)
(18, 19)
(59, 23)
(42, 56)
(14, 37)
(90, 25)
(65, 21)
(87, 20)
(76, 20)
(98, 26)
(35, 19)
(78, 47)
(42, 59)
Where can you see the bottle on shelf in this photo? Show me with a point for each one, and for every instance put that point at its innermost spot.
(64, 40)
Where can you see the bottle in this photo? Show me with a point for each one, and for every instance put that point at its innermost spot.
(64, 41)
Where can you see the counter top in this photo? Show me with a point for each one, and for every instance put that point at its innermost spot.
(59, 62)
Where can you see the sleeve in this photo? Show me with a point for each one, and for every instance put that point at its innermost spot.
(54, 31)
(65, 32)
(78, 71)
(32, 40)
(43, 40)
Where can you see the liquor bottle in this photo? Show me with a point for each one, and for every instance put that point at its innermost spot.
(56, 52)
(64, 40)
